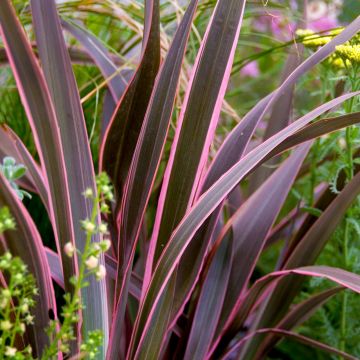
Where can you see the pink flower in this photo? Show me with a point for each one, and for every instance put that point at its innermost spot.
(322, 16)
(322, 24)
(276, 23)
(251, 69)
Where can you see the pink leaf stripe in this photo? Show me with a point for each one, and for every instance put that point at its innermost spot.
(210, 302)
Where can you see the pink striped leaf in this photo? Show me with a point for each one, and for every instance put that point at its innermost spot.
(265, 284)
(122, 134)
(189, 153)
(265, 205)
(79, 169)
(41, 115)
(250, 225)
(206, 204)
(232, 148)
(317, 129)
(146, 161)
(291, 335)
(78, 56)
(210, 301)
(201, 239)
(298, 315)
(240, 228)
(280, 116)
(197, 122)
(305, 253)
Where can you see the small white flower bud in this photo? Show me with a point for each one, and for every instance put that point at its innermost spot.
(3, 303)
(105, 245)
(342, 143)
(9, 223)
(109, 196)
(6, 293)
(88, 193)
(29, 319)
(24, 308)
(5, 325)
(18, 277)
(96, 247)
(104, 208)
(105, 189)
(69, 249)
(88, 226)
(10, 351)
(103, 229)
(92, 262)
(22, 327)
(101, 272)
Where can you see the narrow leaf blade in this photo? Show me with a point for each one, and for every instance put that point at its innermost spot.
(75, 146)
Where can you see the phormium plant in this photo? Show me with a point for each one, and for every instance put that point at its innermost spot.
(181, 286)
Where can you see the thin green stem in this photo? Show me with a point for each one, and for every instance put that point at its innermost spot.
(16, 324)
(313, 171)
(314, 157)
(349, 152)
(350, 174)
(345, 294)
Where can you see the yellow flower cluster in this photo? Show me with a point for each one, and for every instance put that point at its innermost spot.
(349, 52)
(336, 31)
(310, 39)
(346, 55)
(337, 62)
